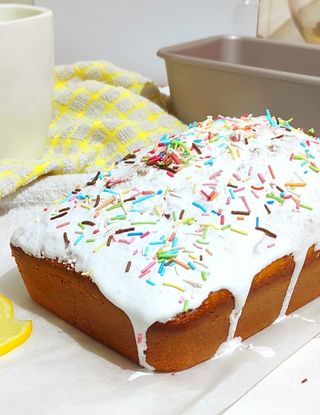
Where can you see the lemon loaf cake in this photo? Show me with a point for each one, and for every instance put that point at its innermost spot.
(211, 234)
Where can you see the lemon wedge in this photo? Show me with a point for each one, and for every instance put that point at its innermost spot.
(6, 307)
(13, 333)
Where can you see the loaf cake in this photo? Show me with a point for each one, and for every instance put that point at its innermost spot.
(209, 235)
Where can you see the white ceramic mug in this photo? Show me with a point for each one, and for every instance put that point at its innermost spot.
(26, 80)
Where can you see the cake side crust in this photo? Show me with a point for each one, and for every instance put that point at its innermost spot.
(265, 297)
(307, 287)
(181, 342)
(78, 301)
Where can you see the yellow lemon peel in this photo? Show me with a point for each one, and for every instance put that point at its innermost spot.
(6, 307)
(13, 333)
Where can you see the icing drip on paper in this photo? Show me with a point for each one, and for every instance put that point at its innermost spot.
(201, 211)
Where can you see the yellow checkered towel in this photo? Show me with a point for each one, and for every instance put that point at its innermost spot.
(100, 114)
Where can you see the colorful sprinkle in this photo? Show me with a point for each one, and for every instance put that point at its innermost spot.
(78, 239)
(148, 267)
(58, 216)
(66, 240)
(62, 225)
(231, 194)
(199, 205)
(242, 232)
(266, 231)
(181, 263)
(170, 284)
(271, 172)
(275, 197)
(191, 265)
(119, 231)
(128, 266)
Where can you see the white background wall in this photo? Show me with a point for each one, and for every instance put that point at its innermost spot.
(129, 32)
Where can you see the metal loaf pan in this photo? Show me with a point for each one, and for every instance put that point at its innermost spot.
(232, 75)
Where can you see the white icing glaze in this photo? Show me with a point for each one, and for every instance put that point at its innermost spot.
(242, 149)
(299, 259)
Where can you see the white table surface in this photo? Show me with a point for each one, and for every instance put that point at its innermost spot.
(282, 391)
(292, 388)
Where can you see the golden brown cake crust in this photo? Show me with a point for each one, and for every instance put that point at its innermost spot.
(77, 300)
(265, 297)
(307, 287)
(182, 342)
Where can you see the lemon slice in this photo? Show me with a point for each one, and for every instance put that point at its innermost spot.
(13, 333)
(6, 307)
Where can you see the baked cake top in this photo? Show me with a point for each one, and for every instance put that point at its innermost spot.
(202, 210)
